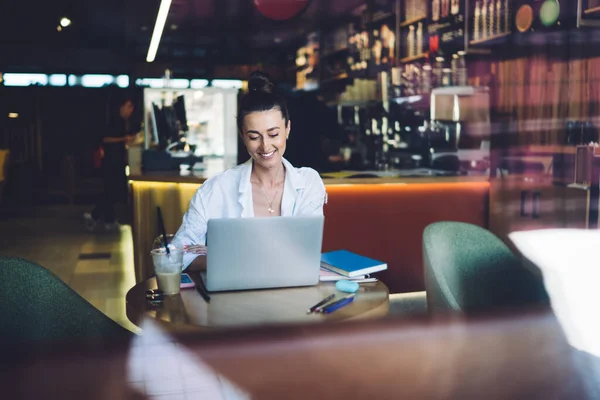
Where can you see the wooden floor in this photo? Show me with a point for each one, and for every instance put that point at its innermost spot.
(99, 266)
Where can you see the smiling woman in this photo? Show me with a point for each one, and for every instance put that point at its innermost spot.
(265, 186)
(264, 124)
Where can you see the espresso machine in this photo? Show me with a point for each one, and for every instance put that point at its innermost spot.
(459, 128)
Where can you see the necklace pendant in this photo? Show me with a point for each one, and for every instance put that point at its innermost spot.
(271, 211)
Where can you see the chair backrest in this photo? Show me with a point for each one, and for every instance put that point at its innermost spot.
(36, 305)
(468, 268)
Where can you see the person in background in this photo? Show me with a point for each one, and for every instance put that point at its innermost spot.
(120, 132)
(267, 185)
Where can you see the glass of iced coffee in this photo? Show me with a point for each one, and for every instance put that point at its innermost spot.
(167, 267)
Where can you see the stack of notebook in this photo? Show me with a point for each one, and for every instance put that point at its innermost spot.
(343, 264)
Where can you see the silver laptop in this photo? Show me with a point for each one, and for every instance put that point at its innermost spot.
(260, 253)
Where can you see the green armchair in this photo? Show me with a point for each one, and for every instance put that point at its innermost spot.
(36, 305)
(467, 268)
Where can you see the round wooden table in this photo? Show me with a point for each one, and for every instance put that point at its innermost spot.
(254, 307)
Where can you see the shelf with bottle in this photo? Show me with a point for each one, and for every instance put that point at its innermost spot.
(489, 39)
(413, 41)
(412, 11)
(490, 21)
(412, 21)
(411, 79)
(413, 58)
(421, 77)
(359, 52)
(588, 14)
(592, 10)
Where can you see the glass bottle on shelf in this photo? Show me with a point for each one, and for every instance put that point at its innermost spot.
(411, 41)
(498, 23)
(484, 19)
(454, 69)
(419, 49)
(461, 70)
(506, 17)
(492, 19)
(446, 77)
(409, 6)
(454, 7)
(435, 10)
(408, 44)
(477, 22)
(408, 80)
(426, 78)
(445, 8)
(437, 71)
(417, 78)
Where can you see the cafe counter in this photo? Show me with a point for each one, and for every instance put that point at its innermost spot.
(377, 214)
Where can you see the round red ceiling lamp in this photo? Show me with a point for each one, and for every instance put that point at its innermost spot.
(280, 10)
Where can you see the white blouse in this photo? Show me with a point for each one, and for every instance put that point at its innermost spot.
(229, 195)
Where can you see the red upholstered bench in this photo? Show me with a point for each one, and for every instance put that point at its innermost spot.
(386, 222)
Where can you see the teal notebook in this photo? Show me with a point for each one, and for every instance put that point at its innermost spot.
(350, 264)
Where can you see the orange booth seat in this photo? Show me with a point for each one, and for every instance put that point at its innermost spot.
(386, 222)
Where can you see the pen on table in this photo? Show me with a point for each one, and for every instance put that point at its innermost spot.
(202, 290)
(319, 304)
(320, 308)
(337, 304)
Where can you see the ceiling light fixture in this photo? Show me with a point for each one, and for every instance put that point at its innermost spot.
(161, 18)
(13, 115)
(64, 22)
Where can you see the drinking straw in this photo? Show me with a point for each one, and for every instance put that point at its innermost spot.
(161, 228)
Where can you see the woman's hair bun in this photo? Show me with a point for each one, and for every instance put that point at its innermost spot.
(262, 95)
(260, 82)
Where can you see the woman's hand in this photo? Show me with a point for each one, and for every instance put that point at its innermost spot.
(195, 249)
(132, 140)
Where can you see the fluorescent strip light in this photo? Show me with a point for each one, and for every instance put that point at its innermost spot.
(227, 83)
(161, 18)
(179, 83)
(18, 79)
(123, 81)
(151, 82)
(160, 83)
(198, 83)
(96, 81)
(58, 80)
